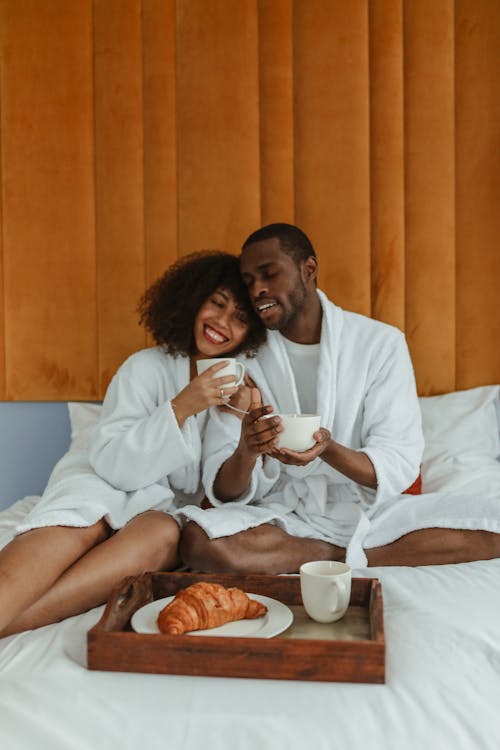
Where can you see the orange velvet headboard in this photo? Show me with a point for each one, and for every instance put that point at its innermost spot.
(135, 132)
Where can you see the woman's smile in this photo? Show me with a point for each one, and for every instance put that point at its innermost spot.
(220, 325)
(213, 335)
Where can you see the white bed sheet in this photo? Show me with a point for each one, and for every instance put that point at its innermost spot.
(442, 692)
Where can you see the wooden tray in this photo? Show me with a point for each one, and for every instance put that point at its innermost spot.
(352, 650)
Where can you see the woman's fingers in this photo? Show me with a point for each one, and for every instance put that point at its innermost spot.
(224, 388)
(224, 381)
(219, 390)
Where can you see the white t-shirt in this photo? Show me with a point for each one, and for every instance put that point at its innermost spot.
(304, 361)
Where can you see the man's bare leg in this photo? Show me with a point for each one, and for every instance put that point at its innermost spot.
(268, 549)
(263, 549)
(148, 542)
(436, 547)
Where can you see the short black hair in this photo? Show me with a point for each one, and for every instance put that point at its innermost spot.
(169, 307)
(293, 240)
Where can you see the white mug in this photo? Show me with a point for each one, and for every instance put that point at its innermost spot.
(298, 430)
(233, 367)
(326, 589)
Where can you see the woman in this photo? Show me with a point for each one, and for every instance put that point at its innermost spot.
(109, 511)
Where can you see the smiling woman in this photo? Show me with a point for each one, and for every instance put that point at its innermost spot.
(221, 324)
(210, 278)
(110, 508)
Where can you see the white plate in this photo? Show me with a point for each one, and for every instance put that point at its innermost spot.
(277, 619)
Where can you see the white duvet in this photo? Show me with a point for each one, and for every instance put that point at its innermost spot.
(442, 690)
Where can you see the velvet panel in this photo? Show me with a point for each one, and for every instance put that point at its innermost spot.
(118, 116)
(477, 169)
(135, 132)
(50, 327)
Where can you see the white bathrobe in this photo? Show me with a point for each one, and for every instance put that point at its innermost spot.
(366, 395)
(137, 458)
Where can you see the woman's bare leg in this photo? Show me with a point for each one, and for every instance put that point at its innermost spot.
(33, 561)
(148, 542)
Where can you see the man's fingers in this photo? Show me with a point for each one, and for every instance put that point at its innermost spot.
(255, 399)
(263, 446)
(249, 382)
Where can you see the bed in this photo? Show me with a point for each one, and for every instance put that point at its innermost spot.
(442, 687)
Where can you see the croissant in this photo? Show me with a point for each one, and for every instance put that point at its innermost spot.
(207, 605)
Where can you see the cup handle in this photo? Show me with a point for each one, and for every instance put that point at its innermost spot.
(340, 601)
(240, 377)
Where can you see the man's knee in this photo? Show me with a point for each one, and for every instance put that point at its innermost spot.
(194, 546)
(199, 552)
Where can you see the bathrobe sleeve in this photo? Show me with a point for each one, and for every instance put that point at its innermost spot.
(391, 434)
(221, 440)
(138, 441)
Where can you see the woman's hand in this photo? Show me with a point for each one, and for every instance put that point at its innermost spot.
(203, 391)
(240, 400)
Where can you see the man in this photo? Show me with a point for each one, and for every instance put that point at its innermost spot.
(345, 497)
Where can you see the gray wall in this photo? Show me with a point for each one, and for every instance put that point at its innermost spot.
(33, 437)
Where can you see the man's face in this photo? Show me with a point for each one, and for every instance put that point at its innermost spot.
(274, 282)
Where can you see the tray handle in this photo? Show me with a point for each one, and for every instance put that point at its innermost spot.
(130, 594)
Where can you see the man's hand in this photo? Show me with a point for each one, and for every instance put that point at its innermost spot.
(259, 432)
(292, 458)
(258, 436)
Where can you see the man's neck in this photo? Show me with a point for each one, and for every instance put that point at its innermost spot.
(306, 328)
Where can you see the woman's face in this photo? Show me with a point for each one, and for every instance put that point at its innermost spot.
(220, 326)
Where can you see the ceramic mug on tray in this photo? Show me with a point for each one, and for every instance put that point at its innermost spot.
(326, 589)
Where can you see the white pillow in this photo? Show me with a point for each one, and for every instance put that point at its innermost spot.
(83, 418)
(462, 441)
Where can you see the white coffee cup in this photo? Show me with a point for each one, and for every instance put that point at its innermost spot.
(326, 589)
(298, 430)
(233, 367)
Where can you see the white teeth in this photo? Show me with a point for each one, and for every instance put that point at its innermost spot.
(266, 306)
(215, 336)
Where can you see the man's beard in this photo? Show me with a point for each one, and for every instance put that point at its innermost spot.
(296, 301)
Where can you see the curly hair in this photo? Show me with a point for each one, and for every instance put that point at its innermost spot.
(169, 307)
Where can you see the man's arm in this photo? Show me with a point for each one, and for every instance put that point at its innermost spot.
(258, 436)
(353, 464)
(391, 440)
